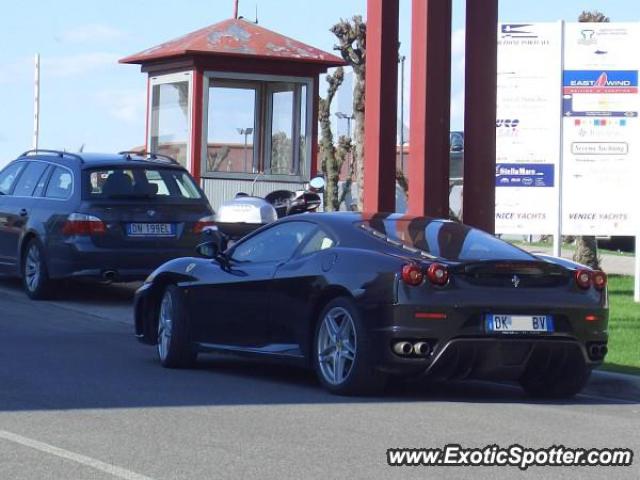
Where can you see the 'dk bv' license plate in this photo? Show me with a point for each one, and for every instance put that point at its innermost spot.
(519, 323)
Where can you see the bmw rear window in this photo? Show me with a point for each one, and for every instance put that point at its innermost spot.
(443, 239)
(139, 183)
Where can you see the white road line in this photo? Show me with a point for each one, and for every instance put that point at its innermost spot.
(74, 457)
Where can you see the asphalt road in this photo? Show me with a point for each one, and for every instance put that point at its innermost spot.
(81, 399)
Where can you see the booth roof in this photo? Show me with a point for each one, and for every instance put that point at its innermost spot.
(235, 38)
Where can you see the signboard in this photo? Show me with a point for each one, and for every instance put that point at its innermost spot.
(600, 129)
(527, 127)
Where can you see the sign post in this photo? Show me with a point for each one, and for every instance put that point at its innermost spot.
(636, 294)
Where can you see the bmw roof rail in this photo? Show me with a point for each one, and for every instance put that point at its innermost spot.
(149, 156)
(58, 153)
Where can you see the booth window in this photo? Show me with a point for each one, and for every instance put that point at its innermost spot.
(231, 127)
(169, 133)
(257, 126)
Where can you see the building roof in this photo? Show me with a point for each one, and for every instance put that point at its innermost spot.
(236, 38)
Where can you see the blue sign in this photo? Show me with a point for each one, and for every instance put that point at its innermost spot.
(524, 175)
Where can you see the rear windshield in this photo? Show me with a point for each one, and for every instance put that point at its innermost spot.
(448, 240)
(139, 183)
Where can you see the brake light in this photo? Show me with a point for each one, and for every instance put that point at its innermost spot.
(438, 274)
(599, 280)
(203, 223)
(79, 224)
(412, 274)
(583, 278)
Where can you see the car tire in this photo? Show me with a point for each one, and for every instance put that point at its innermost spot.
(565, 382)
(346, 346)
(33, 269)
(175, 348)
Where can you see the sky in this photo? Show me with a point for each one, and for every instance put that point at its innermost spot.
(87, 98)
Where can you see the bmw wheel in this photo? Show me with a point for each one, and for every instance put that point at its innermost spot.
(35, 276)
(342, 353)
(175, 348)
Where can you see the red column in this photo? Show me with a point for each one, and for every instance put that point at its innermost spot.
(316, 168)
(430, 108)
(196, 123)
(381, 104)
(478, 207)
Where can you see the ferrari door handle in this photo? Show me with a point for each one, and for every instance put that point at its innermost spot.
(23, 212)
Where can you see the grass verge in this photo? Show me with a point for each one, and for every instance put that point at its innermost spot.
(624, 327)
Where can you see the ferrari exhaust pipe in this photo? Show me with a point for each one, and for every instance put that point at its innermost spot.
(403, 348)
(421, 348)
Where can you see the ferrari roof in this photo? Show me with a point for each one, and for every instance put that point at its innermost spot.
(236, 38)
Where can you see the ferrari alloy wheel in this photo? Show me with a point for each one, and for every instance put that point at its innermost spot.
(342, 353)
(336, 347)
(35, 277)
(164, 326)
(175, 348)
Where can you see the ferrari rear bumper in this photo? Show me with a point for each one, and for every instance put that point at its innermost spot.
(493, 358)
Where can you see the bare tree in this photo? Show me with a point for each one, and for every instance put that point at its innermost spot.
(331, 158)
(586, 246)
(352, 35)
(593, 16)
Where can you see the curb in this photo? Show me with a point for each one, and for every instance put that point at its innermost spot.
(614, 385)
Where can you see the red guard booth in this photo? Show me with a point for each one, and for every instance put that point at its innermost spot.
(233, 101)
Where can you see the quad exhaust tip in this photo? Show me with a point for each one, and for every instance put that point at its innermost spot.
(598, 351)
(421, 348)
(405, 348)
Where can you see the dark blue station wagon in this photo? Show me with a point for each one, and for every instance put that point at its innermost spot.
(112, 217)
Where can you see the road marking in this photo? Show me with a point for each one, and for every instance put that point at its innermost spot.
(74, 457)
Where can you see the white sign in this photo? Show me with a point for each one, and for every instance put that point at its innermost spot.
(600, 129)
(527, 127)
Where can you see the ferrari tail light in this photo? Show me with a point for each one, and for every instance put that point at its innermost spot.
(583, 278)
(79, 224)
(438, 274)
(599, 280)
(203, 223)
(412, 274)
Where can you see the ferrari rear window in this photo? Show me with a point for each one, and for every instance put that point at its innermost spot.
(440, 238)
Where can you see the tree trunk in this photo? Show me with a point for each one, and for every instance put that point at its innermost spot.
(587, 252)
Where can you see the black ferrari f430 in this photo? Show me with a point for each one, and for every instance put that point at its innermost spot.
(361, 297)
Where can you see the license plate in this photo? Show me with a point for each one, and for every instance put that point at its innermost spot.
(151, 230)
(519, 323)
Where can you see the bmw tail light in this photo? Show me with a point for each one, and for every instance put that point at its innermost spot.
(583, 278)
(81, 224)
(203, 223)
(599, 280)
(412, 274)
(438, 274)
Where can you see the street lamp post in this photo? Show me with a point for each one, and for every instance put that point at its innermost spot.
(246, 132)
(348, 118)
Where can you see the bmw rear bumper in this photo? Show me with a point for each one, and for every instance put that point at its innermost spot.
(117, 264)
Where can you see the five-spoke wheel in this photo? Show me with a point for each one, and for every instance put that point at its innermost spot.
(343, 355)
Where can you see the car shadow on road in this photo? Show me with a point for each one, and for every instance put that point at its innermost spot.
(62, 359)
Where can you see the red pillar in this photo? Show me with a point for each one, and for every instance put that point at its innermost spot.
(196, 123)
(381, 104)
(430, 108)
(478, 207)
(316, 168)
